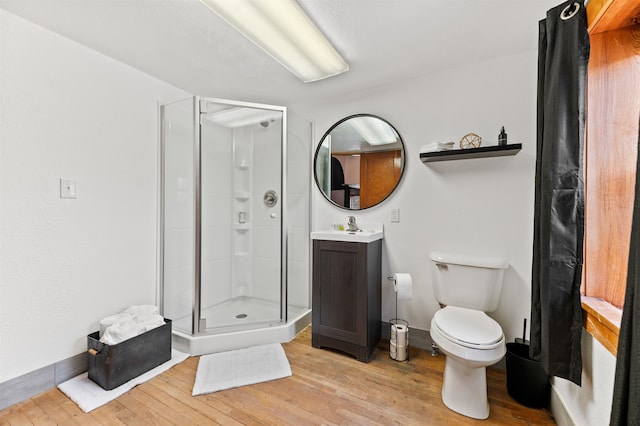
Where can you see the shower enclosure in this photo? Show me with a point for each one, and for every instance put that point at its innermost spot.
(235, 180)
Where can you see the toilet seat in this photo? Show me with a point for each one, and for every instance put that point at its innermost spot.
(468, 328)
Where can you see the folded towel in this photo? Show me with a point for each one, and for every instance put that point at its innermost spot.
(129, 323)
(437, 146)
(148, 322)
(122, 331)
(119, 332)
(111, 320)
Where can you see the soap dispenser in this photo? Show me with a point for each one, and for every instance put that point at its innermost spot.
(502, 137)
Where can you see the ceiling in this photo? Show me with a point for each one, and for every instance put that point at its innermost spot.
(185, 44)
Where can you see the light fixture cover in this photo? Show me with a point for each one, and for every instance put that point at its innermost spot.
(283, 30)
(374, 131)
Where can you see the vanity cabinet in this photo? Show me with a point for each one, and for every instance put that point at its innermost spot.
(347, 296)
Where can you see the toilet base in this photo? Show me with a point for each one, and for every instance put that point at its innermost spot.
(464, 389)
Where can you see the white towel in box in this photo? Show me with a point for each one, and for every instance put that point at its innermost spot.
(111, 320)
(122, 331)
(134, 320)
(119, 332)
(148, 322)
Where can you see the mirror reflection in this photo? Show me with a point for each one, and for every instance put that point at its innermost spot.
(359, 162)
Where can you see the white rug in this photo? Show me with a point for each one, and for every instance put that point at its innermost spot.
(89, 396)
(226, 370)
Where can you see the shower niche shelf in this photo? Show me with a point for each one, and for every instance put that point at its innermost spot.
(463, 154)
(242, 196)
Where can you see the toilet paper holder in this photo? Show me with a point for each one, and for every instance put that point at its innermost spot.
(398, 333)
(395, 286)
(399, 340)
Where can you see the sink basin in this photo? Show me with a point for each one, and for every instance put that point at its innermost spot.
(363, 236)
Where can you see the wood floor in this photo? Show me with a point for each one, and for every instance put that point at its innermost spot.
(327, 388)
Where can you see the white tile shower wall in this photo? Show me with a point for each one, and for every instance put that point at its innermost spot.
(243, 233)
(266, 229)
(217, 221)
(68, 111)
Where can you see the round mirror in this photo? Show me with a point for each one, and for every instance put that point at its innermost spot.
(359, 162)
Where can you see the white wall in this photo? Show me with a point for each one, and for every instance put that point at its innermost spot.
(482, 206)
(67, 111)
(590, 403)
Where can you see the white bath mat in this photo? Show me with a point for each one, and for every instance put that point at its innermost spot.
(226, 370)
(89, 396)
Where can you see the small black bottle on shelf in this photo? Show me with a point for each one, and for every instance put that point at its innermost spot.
(502, 137)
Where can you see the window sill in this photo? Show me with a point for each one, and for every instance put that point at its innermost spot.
(602, 321)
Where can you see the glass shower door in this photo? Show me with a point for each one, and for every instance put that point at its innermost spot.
(298, 212)
(178, 200)
(241, 187)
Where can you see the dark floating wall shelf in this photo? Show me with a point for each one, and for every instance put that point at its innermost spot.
(462, 154)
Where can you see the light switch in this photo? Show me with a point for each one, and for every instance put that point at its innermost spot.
(395, 215)
(68, 188)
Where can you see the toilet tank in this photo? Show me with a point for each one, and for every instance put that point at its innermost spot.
(472, 282)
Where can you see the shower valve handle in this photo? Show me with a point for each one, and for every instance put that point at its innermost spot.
(270, 198)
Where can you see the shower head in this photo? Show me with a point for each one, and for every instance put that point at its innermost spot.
(264, 123)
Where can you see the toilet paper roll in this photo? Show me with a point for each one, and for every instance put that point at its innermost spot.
(403, 285)
(399, 334)
(399, 353)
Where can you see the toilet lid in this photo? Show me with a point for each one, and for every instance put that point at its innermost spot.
(468, 326)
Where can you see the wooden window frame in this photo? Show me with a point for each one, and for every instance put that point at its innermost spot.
(611, 118)
(602, 320)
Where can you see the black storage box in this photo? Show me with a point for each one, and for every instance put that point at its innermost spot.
(527, 382)
(112, 365)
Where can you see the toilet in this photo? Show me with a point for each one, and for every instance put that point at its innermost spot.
(467, 287)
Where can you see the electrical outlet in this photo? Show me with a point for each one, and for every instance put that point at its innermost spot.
(395, 215)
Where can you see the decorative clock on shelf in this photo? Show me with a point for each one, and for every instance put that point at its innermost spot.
(470, 140)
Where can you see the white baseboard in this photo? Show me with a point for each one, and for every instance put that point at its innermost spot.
(559, 411)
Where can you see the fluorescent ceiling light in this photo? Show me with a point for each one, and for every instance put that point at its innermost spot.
(374, 130)
(284, 31)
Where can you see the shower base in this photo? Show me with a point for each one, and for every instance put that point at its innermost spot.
(239, 323)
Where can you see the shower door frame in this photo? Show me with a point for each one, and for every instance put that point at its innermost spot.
(198, 326)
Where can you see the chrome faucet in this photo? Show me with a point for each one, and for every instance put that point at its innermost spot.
(351, 224)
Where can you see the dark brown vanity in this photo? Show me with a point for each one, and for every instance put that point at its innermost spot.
(347, 296)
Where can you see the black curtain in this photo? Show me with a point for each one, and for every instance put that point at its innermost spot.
(626, 391)
(556, 314)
